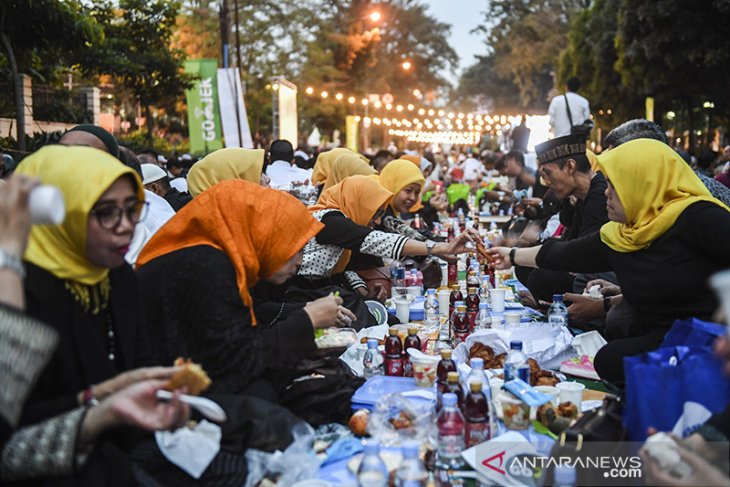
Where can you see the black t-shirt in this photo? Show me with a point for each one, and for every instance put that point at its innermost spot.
(586, 216)
(667, 280)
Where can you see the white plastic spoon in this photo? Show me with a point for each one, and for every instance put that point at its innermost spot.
(207, 408)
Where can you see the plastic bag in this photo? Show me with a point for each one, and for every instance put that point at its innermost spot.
(395, 419)
(547, 344)
(294, 464)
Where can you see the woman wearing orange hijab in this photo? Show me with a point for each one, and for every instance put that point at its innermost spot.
(349, 211)
(335, 165)
(196, 274)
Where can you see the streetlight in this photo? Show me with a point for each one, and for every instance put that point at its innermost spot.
(406, 65)
(375, 16)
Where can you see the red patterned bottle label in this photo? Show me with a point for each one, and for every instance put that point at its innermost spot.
(476, 433)
(394, 367)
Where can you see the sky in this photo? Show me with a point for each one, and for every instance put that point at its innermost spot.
(463, 16)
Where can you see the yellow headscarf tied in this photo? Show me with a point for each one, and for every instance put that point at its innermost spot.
(400, 173)
(335, 165)
(654, 185)
(225, 164)
(83, 174)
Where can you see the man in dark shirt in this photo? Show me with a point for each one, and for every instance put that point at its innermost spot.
(156, 180)
(567, 171)
(520, 136)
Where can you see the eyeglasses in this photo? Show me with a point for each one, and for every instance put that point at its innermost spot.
(109, 217)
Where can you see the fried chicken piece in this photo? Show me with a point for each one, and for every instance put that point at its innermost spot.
(498, 362)
(534, 367)
(568, 410)
(546, 381)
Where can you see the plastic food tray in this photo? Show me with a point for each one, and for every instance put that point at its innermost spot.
(376, 387)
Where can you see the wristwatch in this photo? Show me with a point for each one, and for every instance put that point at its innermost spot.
(430, 245)
(606, 303)
(512, 255)
(13, 263)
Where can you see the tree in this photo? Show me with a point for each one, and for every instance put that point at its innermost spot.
(137, 52)
(525, 39)
(676, 51)
(38, 37)
(591, 55)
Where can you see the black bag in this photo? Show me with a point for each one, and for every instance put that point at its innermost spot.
(350, 300)
(583, 129)
(321, 390)
(598, 433)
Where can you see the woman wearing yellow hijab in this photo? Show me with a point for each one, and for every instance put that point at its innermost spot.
(666, 236)
(224, 164)
(405, 180)
(78, 282)
(335, 165)
(349, 211)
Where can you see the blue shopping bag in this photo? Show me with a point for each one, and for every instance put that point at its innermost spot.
(661, 382)
(693, 333)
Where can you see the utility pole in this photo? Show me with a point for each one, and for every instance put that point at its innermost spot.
(224, 32)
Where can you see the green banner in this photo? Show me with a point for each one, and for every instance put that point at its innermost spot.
(204, 119)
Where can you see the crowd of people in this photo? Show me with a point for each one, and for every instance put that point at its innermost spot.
(228, 261)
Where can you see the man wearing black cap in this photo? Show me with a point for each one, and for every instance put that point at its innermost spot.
(565, 168)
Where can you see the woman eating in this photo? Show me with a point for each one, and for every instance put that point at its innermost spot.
(225, 164)
(666, 236)
(196, 275)
(78, 282)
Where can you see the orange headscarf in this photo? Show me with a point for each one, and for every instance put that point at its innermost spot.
(335, 165)
(414, 159)
(359, 198)
(258, 228)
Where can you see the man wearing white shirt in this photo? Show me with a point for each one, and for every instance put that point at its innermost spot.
(282, 170)
(580, 110)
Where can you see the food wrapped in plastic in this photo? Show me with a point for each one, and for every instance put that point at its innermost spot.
(395, 419)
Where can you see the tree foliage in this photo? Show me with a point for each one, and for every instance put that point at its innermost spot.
(136, 52)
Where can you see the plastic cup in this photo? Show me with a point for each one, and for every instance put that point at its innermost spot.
(424, 372)
(512, 318)
(443, 296)
(496, 386)
(496, 297)
(403, 308)
(46, 205)
(551, 391)
(515, 413)
(720, 282)
(571, 392)
(414, 291)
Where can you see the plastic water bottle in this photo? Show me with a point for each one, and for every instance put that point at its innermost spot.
(516, 365)
(558, 312)
(477, 375)
(411, 472)
(485, 286)
(372, 471)
(373, 360)
(484, 318)
(565, 476)
(397, 274)
(431, 308)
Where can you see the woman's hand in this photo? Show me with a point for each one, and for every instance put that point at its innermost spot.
(606, 288)
(584, 308)
(457, 245)
(138, 406)
(14, 214)
(500, 256)
(126, 379)
(328, 311)
(703, 472)
(439, 202)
